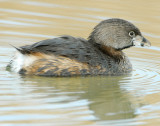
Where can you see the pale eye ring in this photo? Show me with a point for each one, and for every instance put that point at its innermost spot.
(132, 34)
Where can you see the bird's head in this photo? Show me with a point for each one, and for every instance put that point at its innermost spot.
(118, 34)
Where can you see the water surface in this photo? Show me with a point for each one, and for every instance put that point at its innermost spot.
(79, 101)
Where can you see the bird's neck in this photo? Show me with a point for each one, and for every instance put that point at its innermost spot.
(110, 51)
(114, 53)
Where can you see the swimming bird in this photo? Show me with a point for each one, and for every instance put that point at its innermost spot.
(100, 54)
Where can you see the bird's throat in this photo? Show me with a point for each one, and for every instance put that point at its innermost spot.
(116, 54)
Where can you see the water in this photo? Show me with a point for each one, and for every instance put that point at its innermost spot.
(130, 100)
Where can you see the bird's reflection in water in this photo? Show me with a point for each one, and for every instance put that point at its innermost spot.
(106, 99)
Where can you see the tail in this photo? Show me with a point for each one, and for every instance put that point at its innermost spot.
(21, 50)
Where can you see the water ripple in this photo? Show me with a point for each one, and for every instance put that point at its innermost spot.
(145, 77)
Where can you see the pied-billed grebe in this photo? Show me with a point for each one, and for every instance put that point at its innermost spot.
(101, 54)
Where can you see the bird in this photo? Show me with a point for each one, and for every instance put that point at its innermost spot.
(65, 56)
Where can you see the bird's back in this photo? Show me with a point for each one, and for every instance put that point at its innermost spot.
(77, 49)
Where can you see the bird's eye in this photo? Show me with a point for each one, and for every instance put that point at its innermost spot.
(131, 34)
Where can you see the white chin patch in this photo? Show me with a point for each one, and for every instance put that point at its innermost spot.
(137, 40)
(135, 43)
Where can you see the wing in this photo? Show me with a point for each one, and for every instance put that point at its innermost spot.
(68, 46)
